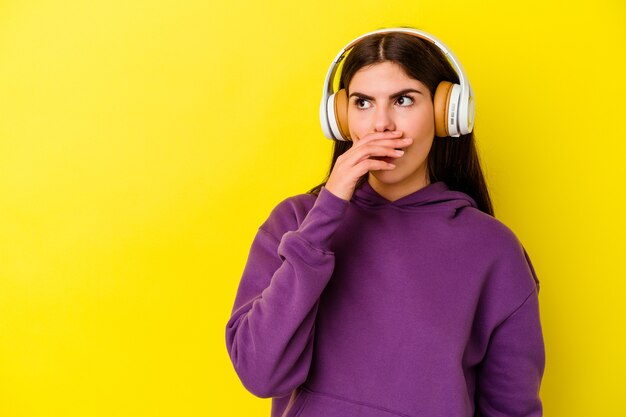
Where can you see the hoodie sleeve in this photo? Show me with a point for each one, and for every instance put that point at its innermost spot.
(509, 377)
(270, 333)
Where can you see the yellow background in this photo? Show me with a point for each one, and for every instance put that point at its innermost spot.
(142, 143)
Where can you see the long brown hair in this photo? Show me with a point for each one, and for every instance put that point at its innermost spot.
(452, 160)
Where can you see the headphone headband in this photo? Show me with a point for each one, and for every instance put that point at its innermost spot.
(465, 112)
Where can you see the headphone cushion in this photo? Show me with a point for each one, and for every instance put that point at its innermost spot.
(441, 104)
(341, 112)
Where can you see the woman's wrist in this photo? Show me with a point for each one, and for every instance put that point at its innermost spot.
(344, 195)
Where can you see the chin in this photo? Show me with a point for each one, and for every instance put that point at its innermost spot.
(398, 176)
(389, 177)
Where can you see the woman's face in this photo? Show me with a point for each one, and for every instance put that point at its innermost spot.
(382, 97)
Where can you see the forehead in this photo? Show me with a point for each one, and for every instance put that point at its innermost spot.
(382, 76)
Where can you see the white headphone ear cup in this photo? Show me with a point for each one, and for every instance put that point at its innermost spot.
(330, 116)
(453, 111)
(466, 113)
(470, 113)
(324, 122)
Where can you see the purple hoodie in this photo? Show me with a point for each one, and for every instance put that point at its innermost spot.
(421, 307)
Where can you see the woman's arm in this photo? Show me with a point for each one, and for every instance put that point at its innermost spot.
(270, 333)
(509, 378)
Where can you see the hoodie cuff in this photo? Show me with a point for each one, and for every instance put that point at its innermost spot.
(324, 218)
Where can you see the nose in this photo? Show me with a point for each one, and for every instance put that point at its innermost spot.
(383, 119)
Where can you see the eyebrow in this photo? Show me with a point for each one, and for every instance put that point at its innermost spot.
(394, 95)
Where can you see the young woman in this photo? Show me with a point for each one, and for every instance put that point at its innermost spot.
(391, 289)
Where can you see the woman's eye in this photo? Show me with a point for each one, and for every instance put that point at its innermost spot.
(405, 100)
(360, 103)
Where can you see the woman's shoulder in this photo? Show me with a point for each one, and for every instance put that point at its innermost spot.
(492, 232)
(288, 214)
(502, 247)
(487, 225)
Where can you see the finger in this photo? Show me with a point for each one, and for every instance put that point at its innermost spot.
(370, 151)
(391, 143)
(381, 135)
(373, 165)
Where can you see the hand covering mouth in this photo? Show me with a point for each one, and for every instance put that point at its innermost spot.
(387, 159)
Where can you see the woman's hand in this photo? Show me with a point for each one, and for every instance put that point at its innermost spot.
(359, 159)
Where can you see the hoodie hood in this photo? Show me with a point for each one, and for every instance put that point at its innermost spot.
(434, 196)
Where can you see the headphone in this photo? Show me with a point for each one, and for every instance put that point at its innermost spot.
(453, 103)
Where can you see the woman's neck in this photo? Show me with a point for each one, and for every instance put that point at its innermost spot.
(396, 191)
